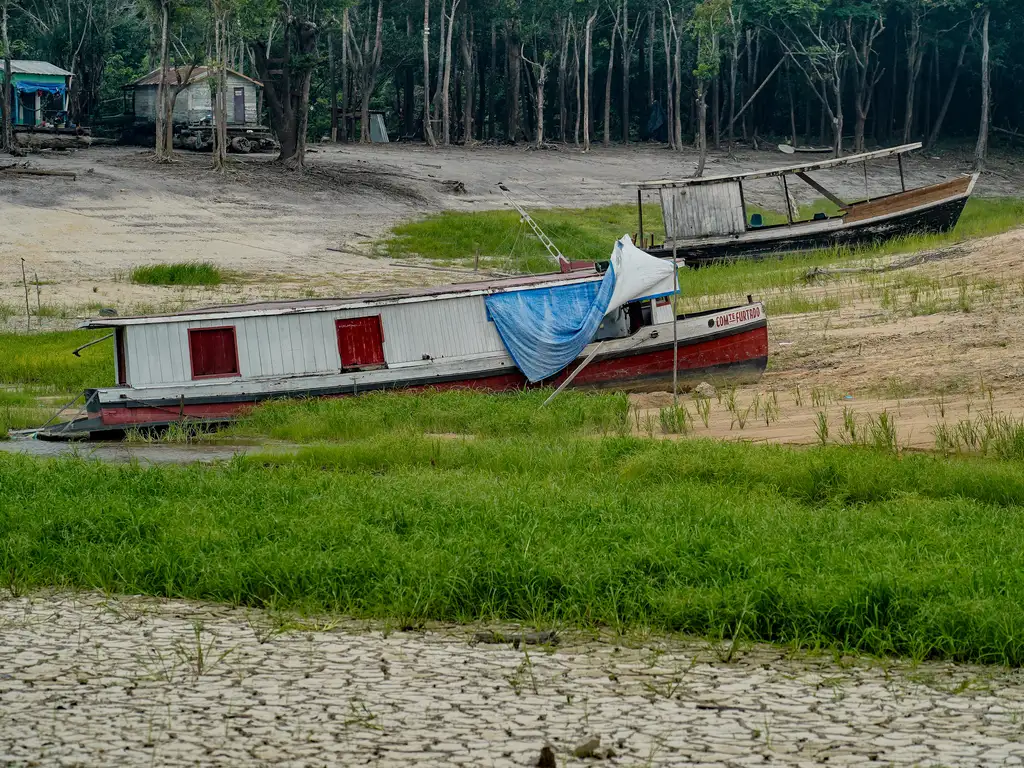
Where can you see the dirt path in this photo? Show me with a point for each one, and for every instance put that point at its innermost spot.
(93, 681)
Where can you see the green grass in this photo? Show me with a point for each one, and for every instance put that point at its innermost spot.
(453, 413)
(185, 273)
(502, 241)
(43, 361)
(839, 548)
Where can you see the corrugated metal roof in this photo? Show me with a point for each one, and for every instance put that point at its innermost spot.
(199, 73)
(28, 67)
(382, 297)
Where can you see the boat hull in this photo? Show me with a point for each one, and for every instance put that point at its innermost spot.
(933, 219)
(733, 349)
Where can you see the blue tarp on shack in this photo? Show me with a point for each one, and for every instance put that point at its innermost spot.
(545, 329)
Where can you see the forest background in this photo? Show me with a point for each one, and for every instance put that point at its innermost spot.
(846, 74)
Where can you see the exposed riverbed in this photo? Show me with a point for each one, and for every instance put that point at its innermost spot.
(90, 680)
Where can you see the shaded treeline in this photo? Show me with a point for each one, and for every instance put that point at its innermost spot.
(707, 73)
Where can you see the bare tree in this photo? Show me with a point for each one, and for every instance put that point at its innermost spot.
(628, 38)
(467, 45)
(565, 28)
(576, 83)
(981, 149)
(823, 65)
(367, 64)
(915, 57)
(588, 36)
(608, 80)
(736, 29)
(7, 132)
(944, 109)
(861, 41)
(445, 101)
(220, 108)
(541, 70)
(428, 130)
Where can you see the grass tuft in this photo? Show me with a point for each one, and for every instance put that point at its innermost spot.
(185, 273)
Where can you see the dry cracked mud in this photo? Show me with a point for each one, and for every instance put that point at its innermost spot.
(91, 680)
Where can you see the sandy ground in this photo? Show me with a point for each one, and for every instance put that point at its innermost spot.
(287, 236)
(89, 680)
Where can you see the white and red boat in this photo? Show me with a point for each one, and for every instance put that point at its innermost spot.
(607, 330)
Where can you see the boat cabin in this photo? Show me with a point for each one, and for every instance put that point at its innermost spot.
(266, 342)
(39, 95)
(708, 218)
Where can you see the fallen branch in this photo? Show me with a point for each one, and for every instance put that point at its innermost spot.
(913, 261)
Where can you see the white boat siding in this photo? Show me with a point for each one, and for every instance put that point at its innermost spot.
(306, 343)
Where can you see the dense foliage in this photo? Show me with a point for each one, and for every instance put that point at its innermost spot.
(875, 71)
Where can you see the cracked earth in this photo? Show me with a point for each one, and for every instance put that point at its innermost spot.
(91, 680)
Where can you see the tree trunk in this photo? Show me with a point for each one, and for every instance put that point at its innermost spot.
(515, 70)
(666, 39)
(716, 113)
(565, 30)
(346, 93)
(627, 55)
(677, 79)
(287, 92)
(576, 84)
(7, 125)
(652, 23)
(981, 150)
(220, 128)
(608, 84)
(368, 78)
(914, 59)
(941, 117)
(163, 152)
(492, 70)
(588, 37)
(428, 130)
(466, 43)
(542, 77)
(446, 105)
(734, 66)
(333, 77)
(702, 128)
(440, 65)
(409, 87)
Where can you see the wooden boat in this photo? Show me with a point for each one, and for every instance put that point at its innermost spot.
(706, 219)
(212, 364)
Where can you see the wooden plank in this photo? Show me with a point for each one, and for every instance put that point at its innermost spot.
(771, 172)
(808, 180)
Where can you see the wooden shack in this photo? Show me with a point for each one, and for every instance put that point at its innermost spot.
(39, 94)
(194, 104)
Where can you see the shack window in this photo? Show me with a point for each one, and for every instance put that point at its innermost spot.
(213, 351)
(361, 342)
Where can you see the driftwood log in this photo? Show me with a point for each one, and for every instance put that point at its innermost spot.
(40, 140)
(24, 171)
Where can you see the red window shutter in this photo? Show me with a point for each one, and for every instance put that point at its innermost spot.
(361, 342)
(214, 352)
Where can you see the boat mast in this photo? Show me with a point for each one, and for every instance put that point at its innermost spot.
(560, 260)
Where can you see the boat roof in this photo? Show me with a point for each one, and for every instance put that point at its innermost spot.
(357, 301)
(768, 173)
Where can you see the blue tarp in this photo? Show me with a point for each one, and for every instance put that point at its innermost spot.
(545, 329)
(31, 86)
